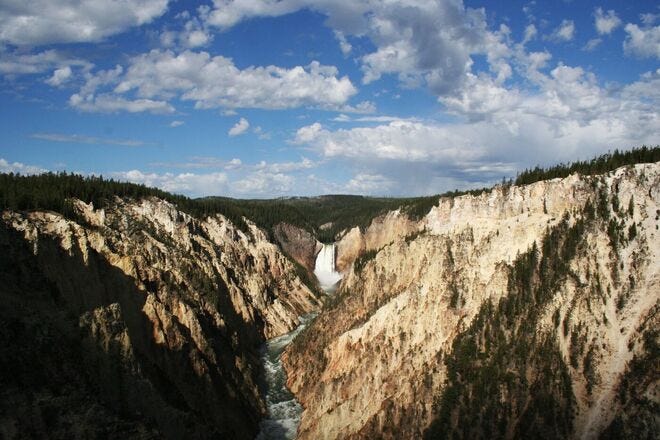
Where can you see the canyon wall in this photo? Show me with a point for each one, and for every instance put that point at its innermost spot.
(137, 320)
(382, 231)
(298, 243)
(527, 311)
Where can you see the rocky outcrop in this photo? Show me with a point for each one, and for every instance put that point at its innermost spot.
(382, 231)
(137, 321)
(540, 299)
(299, 244)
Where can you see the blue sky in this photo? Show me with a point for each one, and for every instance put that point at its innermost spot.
(299, 97)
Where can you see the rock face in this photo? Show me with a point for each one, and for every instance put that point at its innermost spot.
(137, 321)
(526, 312)
(382, 231)
(298, 244)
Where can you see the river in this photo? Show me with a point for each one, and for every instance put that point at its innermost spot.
(284, 411)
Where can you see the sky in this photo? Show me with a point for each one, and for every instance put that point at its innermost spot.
(260, 99)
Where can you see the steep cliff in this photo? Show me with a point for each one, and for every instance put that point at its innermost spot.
(525, 311)
(298, 243)
(382, 231)
(137, 320)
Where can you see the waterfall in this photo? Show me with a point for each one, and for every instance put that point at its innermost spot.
(324, 268)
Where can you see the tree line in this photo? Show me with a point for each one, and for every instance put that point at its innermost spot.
(598, 165)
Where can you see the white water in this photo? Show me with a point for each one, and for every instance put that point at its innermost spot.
(284, 411)
(324, 269)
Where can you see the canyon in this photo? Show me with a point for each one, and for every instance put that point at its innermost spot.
(522, 311)
(433, 307)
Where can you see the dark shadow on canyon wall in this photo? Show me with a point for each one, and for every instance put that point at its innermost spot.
(78, 358)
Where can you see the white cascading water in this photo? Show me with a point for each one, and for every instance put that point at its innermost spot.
(324, 268)
(284, 411)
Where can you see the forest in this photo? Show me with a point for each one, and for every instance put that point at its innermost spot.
(324, 216)
(598, 165)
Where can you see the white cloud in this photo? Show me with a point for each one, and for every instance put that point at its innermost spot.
(530, 33)
(186, 183)
(233, 164)
(397, 141)
(37, 22)
(345, 118)
(566, 115)
(13, 63)
(176, 123)
(201, 162)
(344, 45)
(107, 103)
(262, 183)
(564, 32)
(84, 139)
(18, 167)
(606, 22)
(286, 167)
(60, 76)
(420, 42)
(649, 18)
(193, 34)
(159, 76)
(592, 44)
(239, 128)
(642, 42)
(364, 183)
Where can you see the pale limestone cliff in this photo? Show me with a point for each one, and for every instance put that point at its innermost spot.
(382, 231)
(374, 361)
(158, 314)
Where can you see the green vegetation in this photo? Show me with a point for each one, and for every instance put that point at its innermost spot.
(599, 165)
(363, 259)
(503, 376)
(639, 414)
(52, 192)
(323, 216)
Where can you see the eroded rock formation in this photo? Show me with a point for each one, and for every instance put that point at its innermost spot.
(526, 311)
(137, 321)
(299, 244)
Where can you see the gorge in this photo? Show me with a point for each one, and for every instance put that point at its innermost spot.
(527, 310)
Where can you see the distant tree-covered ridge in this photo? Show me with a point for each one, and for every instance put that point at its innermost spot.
(598, 165)
(323, 216)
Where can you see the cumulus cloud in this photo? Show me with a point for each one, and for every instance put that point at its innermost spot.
(606, 22)
(83, 139)
(159, 76)
(564, 32)
(567, 115)
(38, 22)
(344, 45)
(262, 183)
(183, 183)
(239, 128)
(530, 33)
(642, 42)
(422, 42)
(175, 124)
(14, 63)
(60, 76)
(193, 34)
(18, 167)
